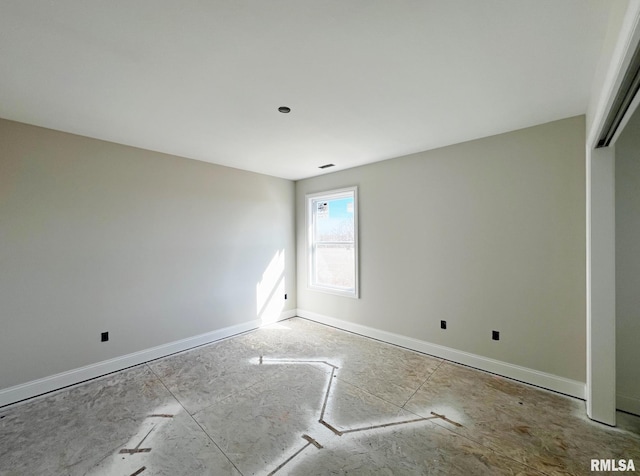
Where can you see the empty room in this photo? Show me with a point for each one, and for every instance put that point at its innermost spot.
(319, 237)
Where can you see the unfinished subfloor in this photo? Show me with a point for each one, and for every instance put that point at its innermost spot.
(302, 398)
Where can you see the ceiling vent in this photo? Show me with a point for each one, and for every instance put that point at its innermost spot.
(626, 94)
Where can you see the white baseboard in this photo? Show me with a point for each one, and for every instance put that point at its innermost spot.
(71, 377)
(628, 404)
(523, 374)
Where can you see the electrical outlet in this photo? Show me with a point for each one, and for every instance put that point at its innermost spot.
(104, 337)
(443, 324)
(495, 335)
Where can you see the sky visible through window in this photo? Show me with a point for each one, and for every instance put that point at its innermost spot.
(335, 220)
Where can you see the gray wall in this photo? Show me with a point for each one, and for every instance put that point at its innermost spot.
(96, 236)
(628, 266)
(488, 234)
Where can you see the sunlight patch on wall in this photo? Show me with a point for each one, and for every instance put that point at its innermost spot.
(270, 290)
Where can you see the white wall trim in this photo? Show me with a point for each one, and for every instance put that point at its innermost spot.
(523, 374)
(628, 404)
(628, 38)
(600, 231)
(71, 377)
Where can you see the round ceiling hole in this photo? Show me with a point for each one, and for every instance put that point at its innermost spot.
(284, 109)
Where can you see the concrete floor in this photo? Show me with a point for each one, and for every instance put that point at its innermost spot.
(302, 398)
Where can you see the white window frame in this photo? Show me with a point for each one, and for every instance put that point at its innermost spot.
(310, 216)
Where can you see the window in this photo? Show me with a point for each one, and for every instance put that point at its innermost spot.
(332, 240)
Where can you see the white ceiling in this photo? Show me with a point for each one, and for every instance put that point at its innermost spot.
(366, 80)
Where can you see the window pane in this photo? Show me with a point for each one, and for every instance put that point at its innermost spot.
(332, 245)
(334, 220)
(335, 265)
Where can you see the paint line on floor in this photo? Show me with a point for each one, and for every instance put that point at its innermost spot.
(455, 423)
(326, 395)
(262, 360)
(310, 442)
(322, 421)
(386, 425)
(137, 449)
(330, 427)
(134, 451)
